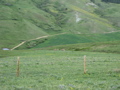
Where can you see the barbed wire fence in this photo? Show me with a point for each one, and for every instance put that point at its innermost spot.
(50, 67)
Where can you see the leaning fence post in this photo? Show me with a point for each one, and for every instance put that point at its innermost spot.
(85, 64)
(18, 67)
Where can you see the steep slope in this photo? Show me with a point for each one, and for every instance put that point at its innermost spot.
(109, 9)
(18, 22)
(21, 20)
(84, 20)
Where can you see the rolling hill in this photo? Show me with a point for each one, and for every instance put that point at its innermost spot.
(22, 20)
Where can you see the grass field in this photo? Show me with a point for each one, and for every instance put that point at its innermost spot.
(60, 70)
(109, 47)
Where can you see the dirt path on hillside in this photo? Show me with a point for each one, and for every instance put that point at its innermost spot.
(33, 39)
(112, 31)
(46, 37)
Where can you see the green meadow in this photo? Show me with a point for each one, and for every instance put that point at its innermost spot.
(51, 38)
(108, 47)
(60, 70)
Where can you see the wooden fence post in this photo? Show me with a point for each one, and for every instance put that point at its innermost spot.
(85, 64)
(18, 67)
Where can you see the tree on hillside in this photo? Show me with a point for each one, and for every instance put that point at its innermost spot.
(93, 1)
(8, 2)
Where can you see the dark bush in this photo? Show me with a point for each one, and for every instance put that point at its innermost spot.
(112, 1)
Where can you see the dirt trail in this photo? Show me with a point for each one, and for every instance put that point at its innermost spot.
(112, 31)
(46, 37)
(34, 39)
(18, 45)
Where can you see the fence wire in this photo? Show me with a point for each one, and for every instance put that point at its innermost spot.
(45, 69)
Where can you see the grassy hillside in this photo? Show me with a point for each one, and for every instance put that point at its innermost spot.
(80, 38)
(14, 25)
(109, 11)
(96, 43)
(22, 20)
(28, 19)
